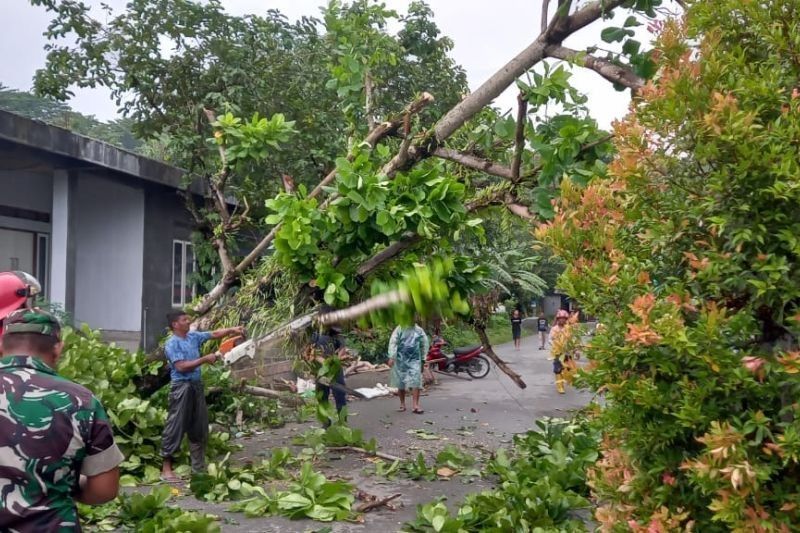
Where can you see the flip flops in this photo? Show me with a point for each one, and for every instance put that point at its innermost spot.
(173, 480)
(417, 411)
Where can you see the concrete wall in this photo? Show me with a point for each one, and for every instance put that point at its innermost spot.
(166, 218)
(109, 241)
(27, 190)
(273, 362)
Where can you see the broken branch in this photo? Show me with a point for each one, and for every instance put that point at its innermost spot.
(365, 452)
(610, 71)
(368, 506)
(473, 162)
(519, 137)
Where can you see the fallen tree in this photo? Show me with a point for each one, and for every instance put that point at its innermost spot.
(394, 196)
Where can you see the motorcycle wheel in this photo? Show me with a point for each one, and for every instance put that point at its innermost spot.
(478, 367)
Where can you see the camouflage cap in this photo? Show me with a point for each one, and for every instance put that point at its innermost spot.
(32, 321)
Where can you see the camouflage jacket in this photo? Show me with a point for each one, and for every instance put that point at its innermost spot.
(51, 431)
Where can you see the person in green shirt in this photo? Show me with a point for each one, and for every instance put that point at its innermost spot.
(56, 442)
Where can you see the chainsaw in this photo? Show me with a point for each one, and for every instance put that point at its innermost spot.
(234, 349)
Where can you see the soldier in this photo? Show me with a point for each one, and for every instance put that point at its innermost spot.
(56, 443)
(17, 290)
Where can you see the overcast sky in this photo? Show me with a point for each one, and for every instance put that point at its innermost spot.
(486, 33)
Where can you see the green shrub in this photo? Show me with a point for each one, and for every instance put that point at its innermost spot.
(688, 254)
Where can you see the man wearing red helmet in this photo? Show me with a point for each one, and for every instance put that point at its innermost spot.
(16, 291)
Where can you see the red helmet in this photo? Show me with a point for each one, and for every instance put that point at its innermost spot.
(562, 313)
(15, 289)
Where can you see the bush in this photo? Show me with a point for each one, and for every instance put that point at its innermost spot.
(688, 254)
(110, 373)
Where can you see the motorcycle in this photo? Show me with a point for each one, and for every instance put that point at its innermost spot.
(469, 359)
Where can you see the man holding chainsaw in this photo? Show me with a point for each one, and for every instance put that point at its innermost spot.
(187, 402)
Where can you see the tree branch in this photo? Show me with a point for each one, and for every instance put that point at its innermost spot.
(558, 30)
(473, 162)
(368, 100)
(380, 301)
(545, 19)
(390, 252)
(373, 137)
(519, 137)
(608, 70)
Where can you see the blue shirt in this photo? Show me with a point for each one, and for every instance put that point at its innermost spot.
(185, 349)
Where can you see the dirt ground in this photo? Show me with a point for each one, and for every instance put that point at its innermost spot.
(478, 416)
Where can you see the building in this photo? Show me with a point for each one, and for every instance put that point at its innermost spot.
(106, 231)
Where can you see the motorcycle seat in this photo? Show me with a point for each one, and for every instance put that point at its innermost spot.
(466, 349)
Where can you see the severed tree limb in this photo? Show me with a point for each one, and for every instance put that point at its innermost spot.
(365, 452)
(519, 137)
(502, 365)
(473, 162)
(390, 252)
(613, 73)
(368, 506)
(557, 31)
(380, 301)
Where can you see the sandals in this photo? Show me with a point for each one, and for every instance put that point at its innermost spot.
(417, 411)
(402, 409)
(172, 480)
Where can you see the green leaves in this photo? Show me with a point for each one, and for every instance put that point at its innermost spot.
(311, 495)
(146, 513)
(613, 34)
(538, 485)
(251, 140)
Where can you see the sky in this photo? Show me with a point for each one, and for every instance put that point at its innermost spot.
(486, 34)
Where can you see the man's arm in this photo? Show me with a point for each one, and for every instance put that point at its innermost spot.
(187, 366)
(393, 345)
(99, 474)
(99, 489)
(219, 333)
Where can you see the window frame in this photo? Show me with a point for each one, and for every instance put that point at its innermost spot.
(184, 247)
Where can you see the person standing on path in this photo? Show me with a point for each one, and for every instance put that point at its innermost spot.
(563, 363)
(187, 402)
(330, 344)
(516, 328)
(56, 443)
(408, 347)
(541, 326)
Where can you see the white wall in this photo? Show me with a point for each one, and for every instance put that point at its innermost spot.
(109, 252)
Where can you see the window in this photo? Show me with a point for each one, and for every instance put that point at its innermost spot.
(183, 266)
(27, 251)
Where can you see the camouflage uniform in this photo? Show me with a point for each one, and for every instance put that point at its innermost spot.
(51, 431)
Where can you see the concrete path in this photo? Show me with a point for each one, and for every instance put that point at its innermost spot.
(479, 416)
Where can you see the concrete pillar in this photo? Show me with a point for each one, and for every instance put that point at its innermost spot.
(62, 258)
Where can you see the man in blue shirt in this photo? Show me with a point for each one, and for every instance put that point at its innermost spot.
(187, 402)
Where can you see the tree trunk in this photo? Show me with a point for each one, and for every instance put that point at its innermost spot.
(487, 349)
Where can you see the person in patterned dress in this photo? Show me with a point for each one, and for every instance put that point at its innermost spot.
(408, 347)
(56, 442)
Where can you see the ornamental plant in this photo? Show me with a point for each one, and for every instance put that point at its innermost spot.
(687, 252)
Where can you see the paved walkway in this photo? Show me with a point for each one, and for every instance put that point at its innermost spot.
(480, 415)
